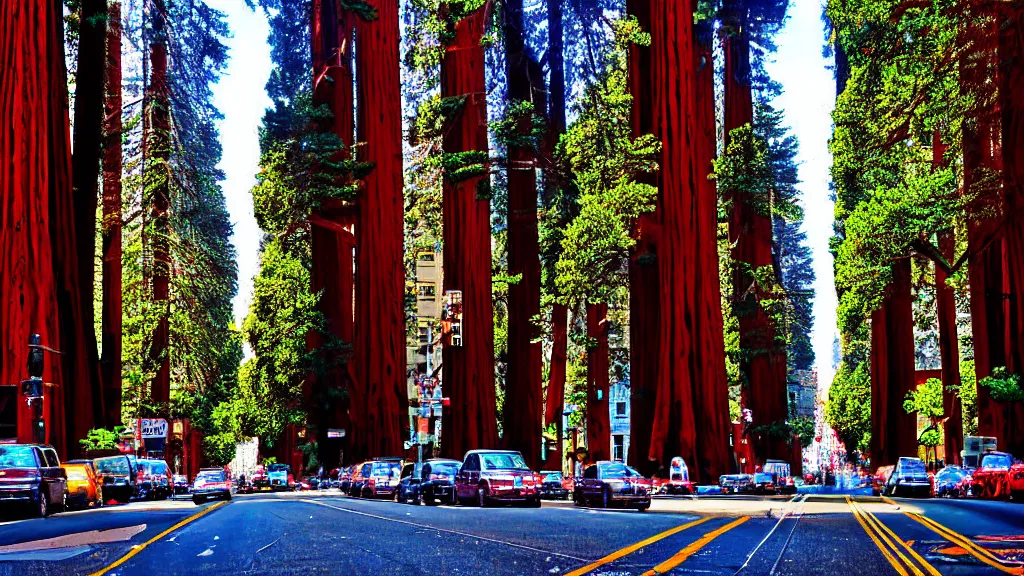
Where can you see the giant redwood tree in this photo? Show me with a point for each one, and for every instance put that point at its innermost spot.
(39, 284)
(469, 368)
(111, 315)
(380, 328)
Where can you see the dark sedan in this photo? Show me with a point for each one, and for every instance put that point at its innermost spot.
(211, 483)
(552, 487)
(180, 484)
(953, 482)
(116, 477)
(609, 483)
(764, 483)
(428, 482)
(736, 483)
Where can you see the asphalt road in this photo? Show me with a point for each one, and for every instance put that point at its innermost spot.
(325, 533)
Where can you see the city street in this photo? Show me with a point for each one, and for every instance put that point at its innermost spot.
(323, 532)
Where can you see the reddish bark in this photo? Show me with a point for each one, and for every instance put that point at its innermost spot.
(893, 430)
(1011, 105)
(559, 313)
(380, 282)
(522, 416)
(556, 379)
(711, 390)
(468, 369)
(750, 233)
(949, 348)
(644, 304)
(674, 430)
(85, 167)
(110, 366)
(598, 418)
(158, 151)
(38, 266)
(332, 242)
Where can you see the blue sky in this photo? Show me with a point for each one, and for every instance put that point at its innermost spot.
(807, 100)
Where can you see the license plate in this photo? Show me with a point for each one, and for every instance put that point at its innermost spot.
(518, 482)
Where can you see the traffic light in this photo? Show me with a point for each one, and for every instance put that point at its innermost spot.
(35, 357)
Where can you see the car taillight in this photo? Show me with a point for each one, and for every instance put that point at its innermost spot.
(438, 477)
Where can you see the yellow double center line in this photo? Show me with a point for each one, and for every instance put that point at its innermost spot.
(964, 542)
(672, 562)
(902, 557)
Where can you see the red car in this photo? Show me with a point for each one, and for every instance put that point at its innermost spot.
(609, 483)
(999, 476)
(492, 476)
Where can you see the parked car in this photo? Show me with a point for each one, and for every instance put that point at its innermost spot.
(678, 478)
(952, 482)
(360, 474)
(439, 481)
(153, 481)
(380, 479)
(908, 478)
(409, 483)
(552, 485)
(609, 483)
(764, 483)
(880, 478)
(211, 483)
(259, 478)
(279, 477)
(999, 476)
(180, 484)
(781, 476)
(344, 480)
(492, 476)
(117, 482)
(736, 483)
(31, 474)
(83, 486)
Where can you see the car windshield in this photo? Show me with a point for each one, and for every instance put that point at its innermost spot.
(211, 476)
(996, 462)
(553, 477)
(615, 471)
(686, 474)
(762, 477)
(115, 465)
(780, 468)
(386, 469)
(449, 468)
(17, 457)
(503, 461)
(277, 468)
(912, 466)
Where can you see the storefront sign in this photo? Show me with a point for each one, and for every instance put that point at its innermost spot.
(150, 428)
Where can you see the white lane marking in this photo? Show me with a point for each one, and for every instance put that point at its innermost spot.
(770, 532)
(446, 531)
(207, 552)
(268, 546)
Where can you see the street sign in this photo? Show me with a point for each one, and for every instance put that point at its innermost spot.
(335, 432)
(149, 428)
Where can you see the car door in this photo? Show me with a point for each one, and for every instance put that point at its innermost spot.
(57, 478)
(591, 484)
(468, 477)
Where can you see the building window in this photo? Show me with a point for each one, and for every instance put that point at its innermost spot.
(425, 257)
(620, 409)
(426, 291)
(618, 447)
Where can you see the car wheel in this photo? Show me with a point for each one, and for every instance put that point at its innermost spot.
(398, 496)
(643, 507)
(577, 498)
(606, 498)
(197, 500)
(228, 497)
(44, 505)
(481, 497)
(535, 503)
(428, 499)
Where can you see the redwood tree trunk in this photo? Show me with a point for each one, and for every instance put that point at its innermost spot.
(556, 380)
(380, 281)
(85, 171)
(644, 304)
(893, 430)
(674, 428)
(468, 377)
(523, 419)
(1011, 105)
(110, 366)
(598, 418)
(38, 267)
(158, 148)
(331, 243)
(949, 349)
(750, 232)
(559, 312)
(711, 391)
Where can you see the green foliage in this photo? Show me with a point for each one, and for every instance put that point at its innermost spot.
(604, 161)
(930, 437)
(968, 393)
(803, 428)
(848, 410)
(926, 400)
(1003, 385)
(102, 439)
(434, 29)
